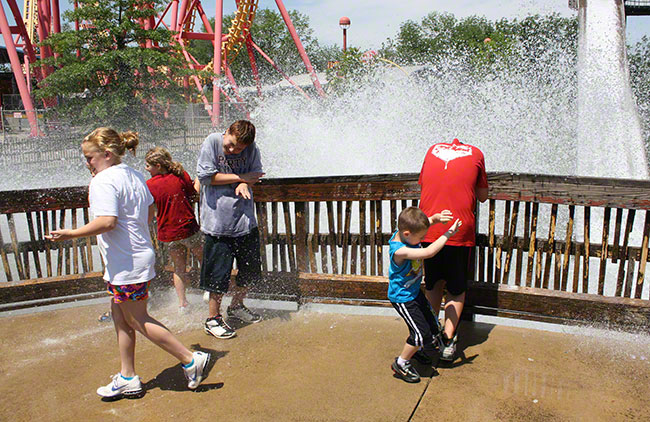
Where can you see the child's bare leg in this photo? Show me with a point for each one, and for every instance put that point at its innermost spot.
(125, 341)
(177, 256)
(453, 309)
(238, 294)
(408, 351)
(214, 304)
(434, 296)
(135, 312)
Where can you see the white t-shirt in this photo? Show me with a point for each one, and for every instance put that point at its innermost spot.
(119, 191)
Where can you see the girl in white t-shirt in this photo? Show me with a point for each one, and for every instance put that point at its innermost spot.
(122, 207)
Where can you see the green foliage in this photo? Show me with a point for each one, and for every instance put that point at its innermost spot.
(348, 71)
(477, 45)
(639, 59)
(103, 74)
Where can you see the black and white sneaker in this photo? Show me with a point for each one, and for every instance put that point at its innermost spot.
(406, 372)
(422, 357)
(243, 314)
(217, 327)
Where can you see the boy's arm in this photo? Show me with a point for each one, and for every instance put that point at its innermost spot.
(432, 249)
(443, 217)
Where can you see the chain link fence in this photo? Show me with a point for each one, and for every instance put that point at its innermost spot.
(53, 157)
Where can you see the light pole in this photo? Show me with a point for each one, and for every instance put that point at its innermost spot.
(344, 23)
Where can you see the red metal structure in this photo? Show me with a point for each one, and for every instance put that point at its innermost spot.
(178, 16)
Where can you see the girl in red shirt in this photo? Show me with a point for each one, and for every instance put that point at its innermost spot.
(173, 192)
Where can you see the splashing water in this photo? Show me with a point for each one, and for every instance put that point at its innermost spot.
(610, 136)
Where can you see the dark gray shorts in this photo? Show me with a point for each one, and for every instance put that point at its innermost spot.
(219, 254)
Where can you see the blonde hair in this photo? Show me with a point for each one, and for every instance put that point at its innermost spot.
(413, 219)
(107, 139)
(160, 156)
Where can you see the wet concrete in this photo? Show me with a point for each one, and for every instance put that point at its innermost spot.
(310, 366)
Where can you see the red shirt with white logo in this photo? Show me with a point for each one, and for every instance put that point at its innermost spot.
(450, 175)
(175, 214)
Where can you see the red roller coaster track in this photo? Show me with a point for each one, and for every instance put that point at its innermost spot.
(178, 16)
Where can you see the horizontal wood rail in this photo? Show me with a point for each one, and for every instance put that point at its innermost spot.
(544, 239)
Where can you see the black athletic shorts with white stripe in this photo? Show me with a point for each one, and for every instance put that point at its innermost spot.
(419, 318)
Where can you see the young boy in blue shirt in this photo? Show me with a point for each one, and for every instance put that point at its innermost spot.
(404, 279)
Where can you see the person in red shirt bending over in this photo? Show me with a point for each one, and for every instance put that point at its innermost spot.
(173, 191)
(452, 177)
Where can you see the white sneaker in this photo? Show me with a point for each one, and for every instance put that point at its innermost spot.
(194, 373)
(121, 387)
(183, 310)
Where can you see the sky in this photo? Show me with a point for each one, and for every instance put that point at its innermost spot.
(373, 21)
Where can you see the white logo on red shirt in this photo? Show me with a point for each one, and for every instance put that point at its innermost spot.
(448, 152)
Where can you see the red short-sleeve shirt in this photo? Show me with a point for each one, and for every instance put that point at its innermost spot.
(175, 213)
(450, 175)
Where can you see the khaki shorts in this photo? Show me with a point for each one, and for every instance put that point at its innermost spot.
(189, 242)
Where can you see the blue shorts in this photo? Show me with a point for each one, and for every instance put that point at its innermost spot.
(219, 254)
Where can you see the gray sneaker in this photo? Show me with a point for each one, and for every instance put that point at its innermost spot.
(406, 372)
(449, 350)
(243, 314)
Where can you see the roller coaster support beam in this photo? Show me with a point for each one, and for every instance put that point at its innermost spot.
(43, 32)
(251, 58)
(216, 88)
(174, 15)
(301, 49)
(18, 72)
(22, 31)
(56, 17)
(275, 66)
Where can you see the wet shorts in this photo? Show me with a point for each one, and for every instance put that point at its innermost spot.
(451, 264)
(419, 319)
(219, 254)
(132, 292)
(189, 242)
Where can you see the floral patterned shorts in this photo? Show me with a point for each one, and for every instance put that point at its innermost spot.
(134, 292)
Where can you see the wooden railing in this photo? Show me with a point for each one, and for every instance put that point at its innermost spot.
(547, 240)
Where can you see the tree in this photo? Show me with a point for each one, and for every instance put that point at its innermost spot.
(639, 59)
(105, 76)
(477, 45)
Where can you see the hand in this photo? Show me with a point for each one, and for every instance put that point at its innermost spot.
(443, 217)
(454, 228)
(252, 177)
(59, 235)
(242, 190)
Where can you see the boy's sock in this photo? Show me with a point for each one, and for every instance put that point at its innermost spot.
(401, 362)
(189, 364)
(126, 378)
